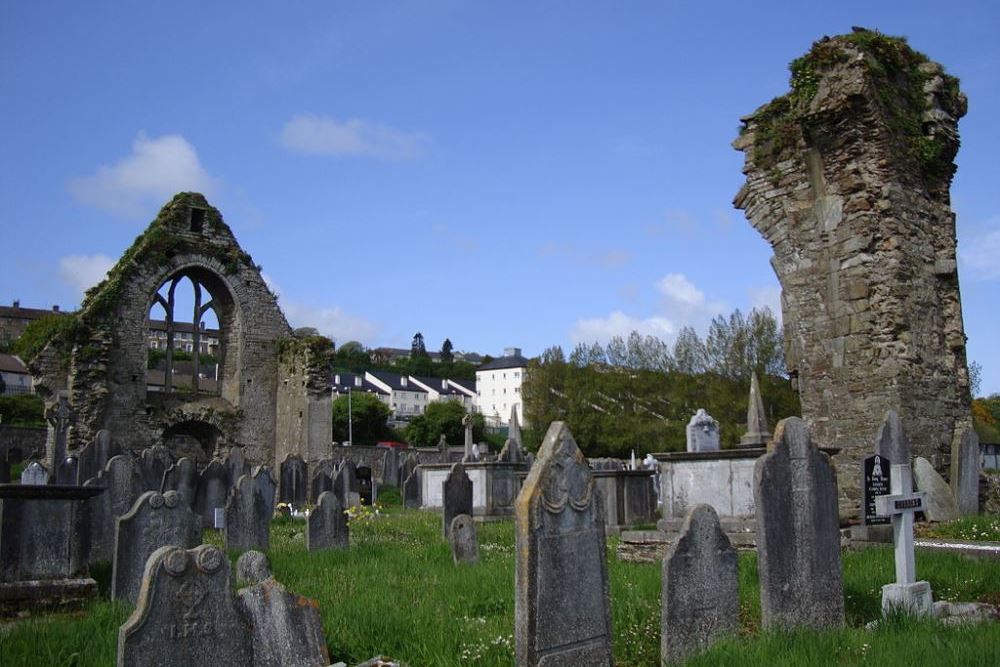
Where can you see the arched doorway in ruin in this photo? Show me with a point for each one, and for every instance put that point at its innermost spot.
(194, 439)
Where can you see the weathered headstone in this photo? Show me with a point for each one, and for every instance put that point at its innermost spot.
(186, 613)
(456, 496)
(470, 452)
(410, 464)
(757, 434)
(321, 480)
(442, 443)
(212, 491)
(181, 477)
(265, 482)
(877, 482)
(907, 594)
(156, 520)
(702, 433)
(94, 456)
(294, 488)
(122, 488)
(464, 540)
(390, 467)
(35, 474)
(891, 441)
(60, 417)
(248, 518)
(286, 629)
(252, 568)
(561, 605)
(940, 504)
(326, 525)
(701, 588)
(367, 486)
(965, 464)
(4, 471)
(66, 471)
(153, 462)
(798, 532)
(411, 490)
(236, 464)
(512, 451)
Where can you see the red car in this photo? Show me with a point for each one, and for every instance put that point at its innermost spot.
(392, 444)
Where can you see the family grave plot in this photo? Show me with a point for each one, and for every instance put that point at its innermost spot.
(798, 533)
(562, 613)
(157, 520)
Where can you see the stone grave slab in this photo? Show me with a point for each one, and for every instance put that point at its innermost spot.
(456, 496)
(940, 504)
(464, 540)
(965, 467)
(294, 488)
(326, 525)
(181, 477)
(248, 517)
(121, 485)
(212, 491)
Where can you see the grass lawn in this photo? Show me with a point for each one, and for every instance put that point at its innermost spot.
(396, 592)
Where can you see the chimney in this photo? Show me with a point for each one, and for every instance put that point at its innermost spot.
(512, 352)
(55, 309)
(17, 303)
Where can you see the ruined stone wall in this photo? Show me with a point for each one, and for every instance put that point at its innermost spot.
(304, 404)
(848, 179)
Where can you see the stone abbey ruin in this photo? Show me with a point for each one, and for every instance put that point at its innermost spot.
(847, 177)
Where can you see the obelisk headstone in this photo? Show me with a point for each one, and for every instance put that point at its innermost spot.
(758, 434)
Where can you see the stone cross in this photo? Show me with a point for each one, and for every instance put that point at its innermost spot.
(907, 594)
(471, 454)
(60, 417)
(562, 614)
(702, 433)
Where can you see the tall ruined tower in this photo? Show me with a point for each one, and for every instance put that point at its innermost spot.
(848, 179)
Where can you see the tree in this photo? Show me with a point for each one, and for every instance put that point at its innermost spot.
(975, 377)
(446, 355)
(417, 347)
(443, 418)
(689, 352)
(368, 416)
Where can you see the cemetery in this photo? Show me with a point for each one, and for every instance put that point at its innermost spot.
(227, 529)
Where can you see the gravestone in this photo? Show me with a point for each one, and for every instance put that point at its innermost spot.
(153, 462)
(702, 433)
(965, 463)
(252, 568)
(411, 490)
(181, 477)
(4, 471)
(891, 441)
(67, 470)
(470, 453)
(757, 434)
(60, 417)
(321, 480)
(248, 518)
(798, 533)
(294, 488)
(701, 588)
(940, 504)
(907, 594)
(464, 540)
(877, 482)
(456, 496)
(390, 467)
(35, 474)
(442, 443)
(94, 456)
(212, 491)
(367, 487)
(326, 525)
(122, 487)
(512, 451)
(156, 520)
(236, 465)
(186, 613)
(265, 482)
(286, 630)
(409, 465)
(561, 605)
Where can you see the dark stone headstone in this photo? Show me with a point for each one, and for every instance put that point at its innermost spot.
(94, 456)
(366, 485)
(390, 467)
(561, 607)
(411, 490)
(456, 496)
(321, 480)
(157, 520)
(186, 613)
(4, 471)
(965, 468)
(408, 466)
(701, 587)
(326, 525)
(876, 482)
(286, 629)
(891, 441)
(798, 533)
(212, 491)
(252, 568)
(248, 518)
(121, 485)
(153, 462)
(236, 464)
(294, 487)
(464, 540)
(265, 482)
(66, 472)
(182, 477)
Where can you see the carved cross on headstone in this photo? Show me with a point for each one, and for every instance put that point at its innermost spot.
(901, 505)
(60, 416)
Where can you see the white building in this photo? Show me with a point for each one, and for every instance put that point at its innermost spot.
(407, 398)
(14, 376)
(498, 387)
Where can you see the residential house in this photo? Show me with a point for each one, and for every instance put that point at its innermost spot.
(14, 319)
(498, 387)
(407, 399)
(14, 376)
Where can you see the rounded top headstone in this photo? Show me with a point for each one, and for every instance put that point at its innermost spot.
(252, 567)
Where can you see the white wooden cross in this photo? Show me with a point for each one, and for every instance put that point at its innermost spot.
(901, 505)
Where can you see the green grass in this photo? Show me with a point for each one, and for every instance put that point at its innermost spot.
(979, 527)
(396, 592)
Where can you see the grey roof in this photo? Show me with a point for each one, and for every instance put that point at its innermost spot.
(516, 361)
(347, 380)
(11, 364)
(395, 380)
(439, 385)
(10, 312)
(185, 327)
(468, 384)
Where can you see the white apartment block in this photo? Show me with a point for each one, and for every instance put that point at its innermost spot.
(498, 387)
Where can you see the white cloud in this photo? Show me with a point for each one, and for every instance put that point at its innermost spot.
(84, 271)
(677, 287)
(603, 329)
(157, 168)
(332, 322)
(324, 135)
(767, 296)
(980, 254)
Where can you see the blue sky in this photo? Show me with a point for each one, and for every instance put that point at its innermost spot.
(502, 174)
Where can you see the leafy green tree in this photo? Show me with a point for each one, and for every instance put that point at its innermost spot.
(417, 347)
(368, 415)
(446, 355)
(352, 356)
(689, 352)
(22, 410)
(442, 418)
(39, 332)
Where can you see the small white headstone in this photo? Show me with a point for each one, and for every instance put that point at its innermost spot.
(34, 475)
(219, 519)
(702, 433)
